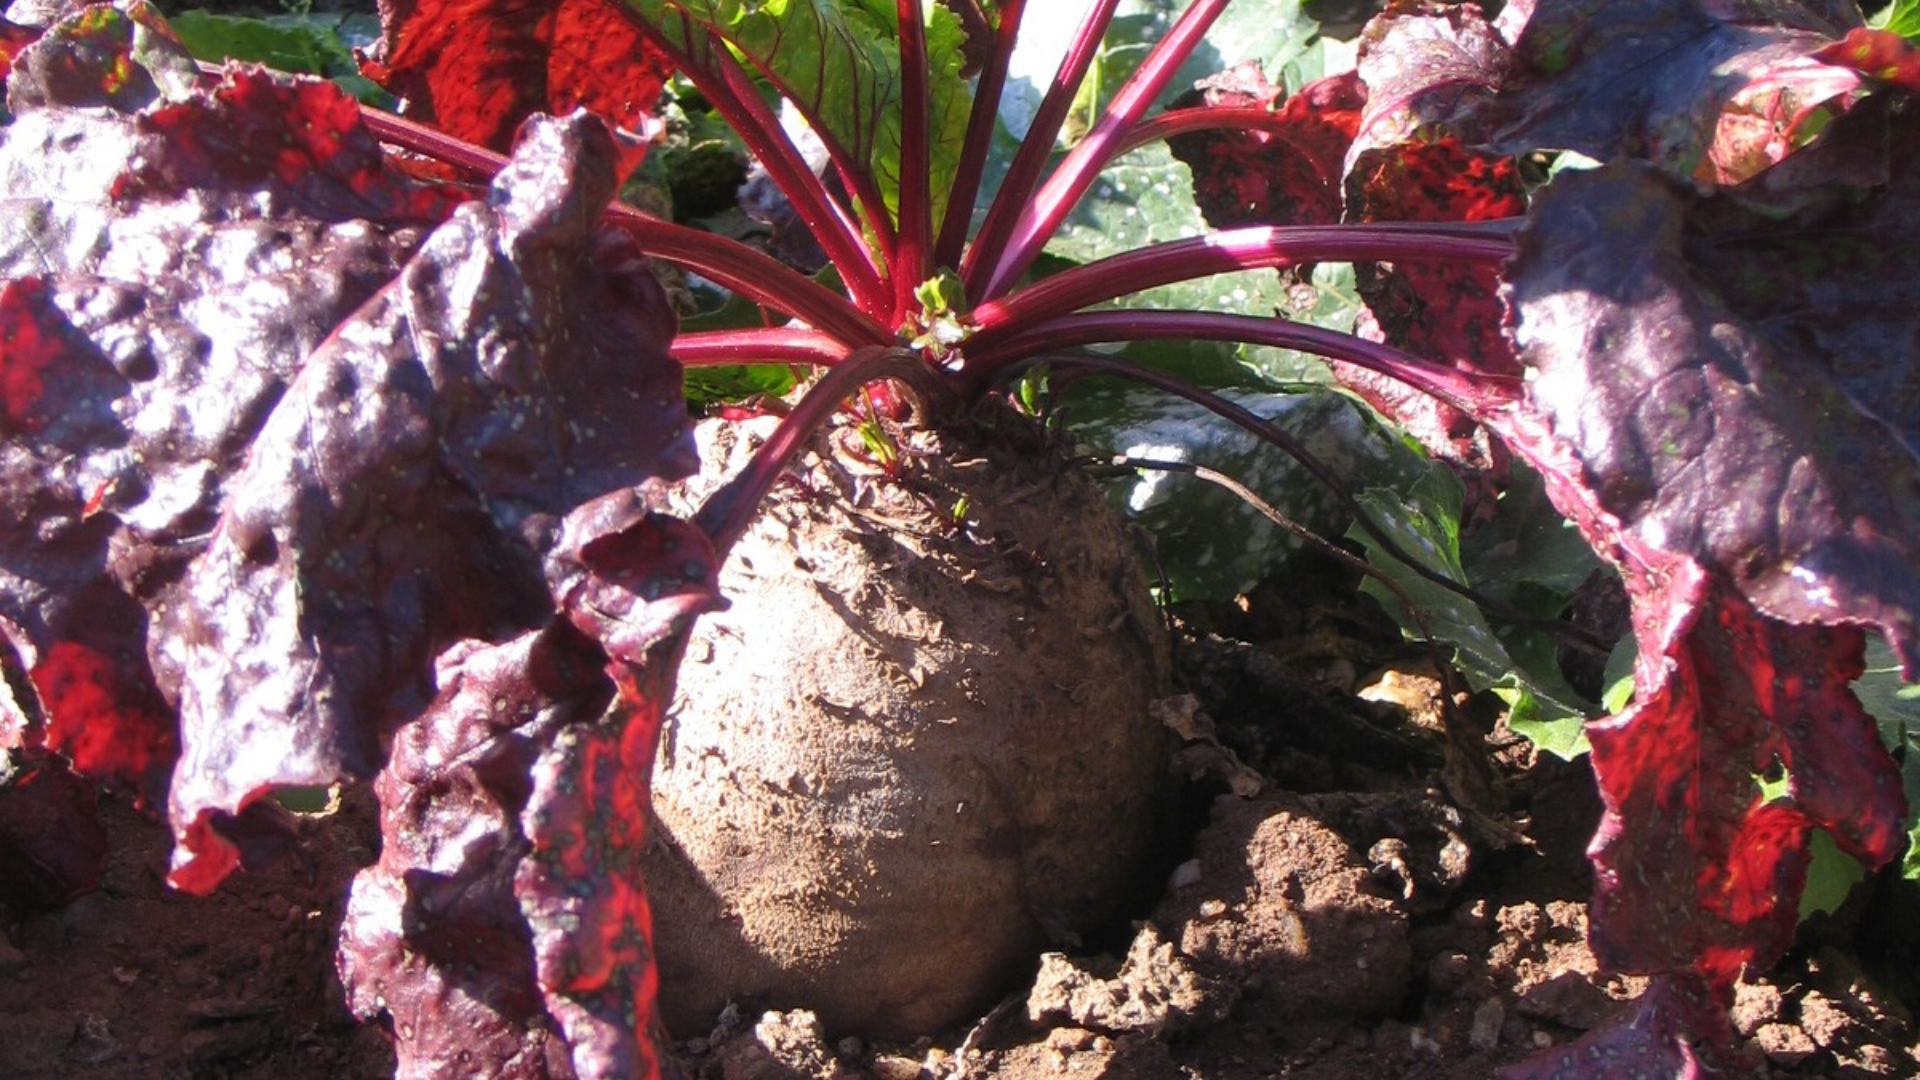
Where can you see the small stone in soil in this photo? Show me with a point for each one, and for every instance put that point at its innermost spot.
(93, 1041)
(1187, 873)
(1487, 1020)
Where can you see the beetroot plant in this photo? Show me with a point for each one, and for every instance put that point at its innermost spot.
(324, 463)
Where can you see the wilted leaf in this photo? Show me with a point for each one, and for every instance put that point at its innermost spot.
(1676, 1029)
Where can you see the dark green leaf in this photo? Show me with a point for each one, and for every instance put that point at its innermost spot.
(1519, 664)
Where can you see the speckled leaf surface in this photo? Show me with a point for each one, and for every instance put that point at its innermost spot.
(1430, 69)
(1760, 520)
(434, 937)
(1716, 91)
(402, 495)
(303, 457)
(1681, 409)
(162, 292)
(1838, 270)
(581, 889)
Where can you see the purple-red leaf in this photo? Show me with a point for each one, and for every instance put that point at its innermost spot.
(1429, 69)
(299, 141)
(266, 437)
(1445, 311)
(1759, 518)
(1726, 440)
(477, 68)
(626, 576)
(404, 492)
(1702, 89)
(142, 337)
(13, 38)
(34, 339)
(1287, 173)
(1840, 271)
(581, 889)
(121, 57)
(505, 929)
(434, 937)
(103, 716)
(1726, 695)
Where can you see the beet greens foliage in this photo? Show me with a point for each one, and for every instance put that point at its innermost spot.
(324, 463)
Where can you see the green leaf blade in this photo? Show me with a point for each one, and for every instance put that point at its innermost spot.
(839, 64)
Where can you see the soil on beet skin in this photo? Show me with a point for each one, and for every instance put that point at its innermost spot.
(1331, 916)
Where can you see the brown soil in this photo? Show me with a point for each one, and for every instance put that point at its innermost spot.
(1334, 918)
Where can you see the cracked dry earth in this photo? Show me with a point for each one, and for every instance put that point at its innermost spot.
(1334, 917)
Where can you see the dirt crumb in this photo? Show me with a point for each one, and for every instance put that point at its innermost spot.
(1155, 991)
